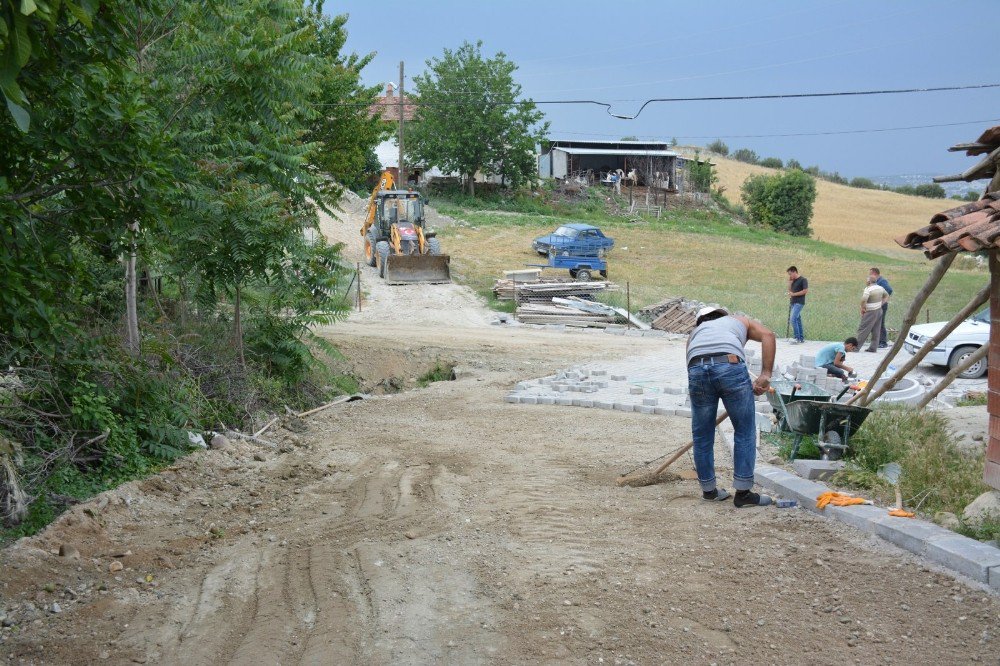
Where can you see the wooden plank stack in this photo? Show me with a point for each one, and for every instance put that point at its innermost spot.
(539, 313)
(543, 290)
(673, 315)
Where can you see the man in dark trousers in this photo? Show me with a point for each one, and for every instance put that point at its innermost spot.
(883, 340)
(717, 370)
(798, 287)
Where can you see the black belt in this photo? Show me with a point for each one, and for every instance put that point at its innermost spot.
(711, 359)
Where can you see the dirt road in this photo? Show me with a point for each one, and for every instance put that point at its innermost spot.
(441, 525)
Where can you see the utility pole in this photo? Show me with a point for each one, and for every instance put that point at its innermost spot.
(402, 167)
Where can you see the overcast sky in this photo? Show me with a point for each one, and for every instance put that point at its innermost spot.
(625, 52)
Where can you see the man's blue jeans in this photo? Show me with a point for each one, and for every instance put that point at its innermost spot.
(831, 369)
(797, 331)
(730, 382)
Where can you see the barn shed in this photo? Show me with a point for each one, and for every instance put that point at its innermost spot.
(652, 161)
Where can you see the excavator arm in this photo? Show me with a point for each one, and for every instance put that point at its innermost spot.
(386, 182)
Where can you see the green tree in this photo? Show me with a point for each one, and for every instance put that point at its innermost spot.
(782, 202)
(745, 155)
(718, 146)
(931, 190)
(471, 119)
(771, 162)
(701, 174)
(864, 183)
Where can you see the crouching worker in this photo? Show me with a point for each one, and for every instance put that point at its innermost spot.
(831, 358)
(717, 370)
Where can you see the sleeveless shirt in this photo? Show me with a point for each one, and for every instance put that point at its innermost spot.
(725, 335)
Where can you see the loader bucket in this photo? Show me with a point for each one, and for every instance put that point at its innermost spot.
(410, 268)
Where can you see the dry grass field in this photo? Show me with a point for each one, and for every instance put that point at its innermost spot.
(850, 216)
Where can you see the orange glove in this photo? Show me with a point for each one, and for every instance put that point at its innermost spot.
(900, 513)
(838, 499)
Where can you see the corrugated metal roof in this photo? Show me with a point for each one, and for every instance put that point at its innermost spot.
(617, 151)
(973, 226)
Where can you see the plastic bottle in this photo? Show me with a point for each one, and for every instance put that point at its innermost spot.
(786, 503)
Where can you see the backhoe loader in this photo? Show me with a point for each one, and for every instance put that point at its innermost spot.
(396, 241)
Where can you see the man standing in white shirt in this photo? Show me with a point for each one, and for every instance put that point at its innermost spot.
(872, 299)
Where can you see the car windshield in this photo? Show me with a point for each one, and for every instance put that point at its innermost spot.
(408, 208)
(568, 232)
(983, 317)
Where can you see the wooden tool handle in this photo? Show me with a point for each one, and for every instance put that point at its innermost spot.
(684, 449)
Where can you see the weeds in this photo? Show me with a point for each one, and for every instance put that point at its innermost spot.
(936, 475)
(441, 372)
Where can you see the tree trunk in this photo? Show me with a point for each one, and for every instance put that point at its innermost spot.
(131, 297)
(472, 184)
(238, 328)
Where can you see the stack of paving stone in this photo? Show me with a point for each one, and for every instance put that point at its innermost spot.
(805, 370)
(599, 390)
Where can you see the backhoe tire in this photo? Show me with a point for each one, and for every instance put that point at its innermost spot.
(433, 246)
(382, 248)
(371, 253)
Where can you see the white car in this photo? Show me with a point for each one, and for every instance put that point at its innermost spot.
(970, 335)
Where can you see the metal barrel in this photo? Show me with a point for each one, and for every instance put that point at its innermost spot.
(411, 268)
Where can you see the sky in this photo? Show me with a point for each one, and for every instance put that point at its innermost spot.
(626, 52)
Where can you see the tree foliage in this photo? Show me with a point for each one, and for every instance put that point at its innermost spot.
(745, 155)
(718, 146)
(782, 201)
(471, 118)
(701, 175)
(201, 140)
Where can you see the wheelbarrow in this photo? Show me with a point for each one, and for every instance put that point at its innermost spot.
(786, 392)
(832, 422)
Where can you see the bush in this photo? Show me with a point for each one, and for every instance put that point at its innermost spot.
(718, 146)
(772, 163)
(936, 475)
(746, 155)
(700, 174)
(864, 183)
(782, 202)
(794, 164)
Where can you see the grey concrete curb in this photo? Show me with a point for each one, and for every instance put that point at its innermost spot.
(977, 560)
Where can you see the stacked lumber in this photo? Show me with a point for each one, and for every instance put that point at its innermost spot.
(538, 313)
(673, 315)
(544, 290)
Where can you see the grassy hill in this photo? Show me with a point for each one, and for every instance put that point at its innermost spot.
(704, 256)
(850, 216)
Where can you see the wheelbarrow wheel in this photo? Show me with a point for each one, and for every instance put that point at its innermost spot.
(833, 452)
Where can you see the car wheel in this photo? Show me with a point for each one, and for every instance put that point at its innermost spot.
(582, 275)
(976, 370)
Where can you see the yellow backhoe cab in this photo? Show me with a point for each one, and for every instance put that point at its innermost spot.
(396, 240)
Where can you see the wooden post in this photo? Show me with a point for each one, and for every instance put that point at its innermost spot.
(991, 475)
(946, 381)
(357, 268)
(628, 303)
(402, 168)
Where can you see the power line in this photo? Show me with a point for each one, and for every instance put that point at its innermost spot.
(842, 93)
(657, 100)
(799, 134)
